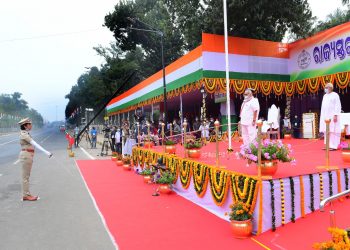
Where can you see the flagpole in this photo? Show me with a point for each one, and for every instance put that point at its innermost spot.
(228, 106)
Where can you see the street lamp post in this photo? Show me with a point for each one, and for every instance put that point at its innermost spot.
(161, 34)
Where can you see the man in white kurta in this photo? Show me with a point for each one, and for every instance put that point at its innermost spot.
(249, 114)
(330, 109)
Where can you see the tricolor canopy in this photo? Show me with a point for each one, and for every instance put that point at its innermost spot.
(267, 67)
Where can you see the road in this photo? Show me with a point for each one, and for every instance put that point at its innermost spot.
(65, 216)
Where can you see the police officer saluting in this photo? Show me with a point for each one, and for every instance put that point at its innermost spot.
(26, 156)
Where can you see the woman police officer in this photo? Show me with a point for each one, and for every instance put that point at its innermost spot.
(26, 156)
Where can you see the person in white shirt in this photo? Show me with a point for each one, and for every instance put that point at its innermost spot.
(204, 128)
(330, 109)
(249, 113)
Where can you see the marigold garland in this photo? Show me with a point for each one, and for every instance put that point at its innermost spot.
(313, 85)
(283, 202)
(292, 192)
(273, 218)
(185, 172)
(266, 87)
(278, 88)
(343, 79)
(338, 180)
(346, 177)
(238, 86)
(302, 196)
(321, 187)
(330, 179)
(200, 178)
(244, 189)
(312, 206)
(219, 183)
(300, 87)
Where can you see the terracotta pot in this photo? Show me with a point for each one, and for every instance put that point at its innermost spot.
(148, 144)
(194, 153)
(164, 188)
(242, 229)
(268, 168)
(147, 178)
(119, 163)
(127, 167)
(170, 149)
(345, 154)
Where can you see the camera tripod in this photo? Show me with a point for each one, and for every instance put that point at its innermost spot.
(105, 145)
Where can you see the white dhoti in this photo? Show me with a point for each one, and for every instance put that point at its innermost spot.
(249, 133)
(334, 140)
(331, 108)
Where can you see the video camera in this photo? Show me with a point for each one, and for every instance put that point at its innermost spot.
(106, 130)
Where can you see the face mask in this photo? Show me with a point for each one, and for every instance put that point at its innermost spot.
(326, 91)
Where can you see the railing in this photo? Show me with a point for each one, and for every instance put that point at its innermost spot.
(330, 200)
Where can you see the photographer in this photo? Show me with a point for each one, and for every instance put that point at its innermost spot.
(114, 130)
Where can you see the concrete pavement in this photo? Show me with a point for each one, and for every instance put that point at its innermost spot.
(65, 217)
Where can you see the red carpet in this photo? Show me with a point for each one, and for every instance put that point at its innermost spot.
(308, 154)
(306, 231)
(138, 220)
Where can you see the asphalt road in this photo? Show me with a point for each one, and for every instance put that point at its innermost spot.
(64, 217)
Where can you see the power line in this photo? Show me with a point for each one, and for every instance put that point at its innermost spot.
(49, 35)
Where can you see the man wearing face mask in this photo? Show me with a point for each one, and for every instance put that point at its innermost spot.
(249, 113)
(330, 109)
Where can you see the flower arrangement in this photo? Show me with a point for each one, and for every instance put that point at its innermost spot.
(344, 145)
(270, 151)
(170, 142)
(126, 160)
(147, 171)
(240, 212)
(166, 178)
(340, 240)
(192, 144)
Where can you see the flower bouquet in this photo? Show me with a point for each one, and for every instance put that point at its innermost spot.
(271, 153)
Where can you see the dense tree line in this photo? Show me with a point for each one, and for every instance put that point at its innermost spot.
(13, 108)
(182, 22)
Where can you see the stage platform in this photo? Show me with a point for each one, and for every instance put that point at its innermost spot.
(293, 192)
(307, 152)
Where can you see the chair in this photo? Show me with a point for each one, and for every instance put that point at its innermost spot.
(273, 121)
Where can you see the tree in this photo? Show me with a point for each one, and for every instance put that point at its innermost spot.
(336, 18)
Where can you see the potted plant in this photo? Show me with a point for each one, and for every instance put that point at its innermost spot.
(165, 181)
(119, 160)
(114, 156)
(193, 148)
(126, 163)
(241, 220)
(147, 175)
(287, 133)
(345, 151)
(271, 153)
(170, 146)
(148, 141)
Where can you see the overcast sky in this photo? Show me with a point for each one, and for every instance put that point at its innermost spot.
(46, 45)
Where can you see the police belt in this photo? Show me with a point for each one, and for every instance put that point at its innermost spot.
(28, 150)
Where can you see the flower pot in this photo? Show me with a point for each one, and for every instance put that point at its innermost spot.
(164, 188)
(127, 167)
(113, 158)
(119, 163)
(345, 154)
(148, 144)
(170, 149)
(147, 178)
(194, 153)
(242, 229)
(269, 168)
(287, 136)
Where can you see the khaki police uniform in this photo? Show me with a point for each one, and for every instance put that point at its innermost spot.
(26, 157)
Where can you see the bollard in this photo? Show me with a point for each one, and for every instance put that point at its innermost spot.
(163, 141)
(185, 127)
(171, 129)
(217, 124)
(327, 121)
(259, 124)
(138, 134)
